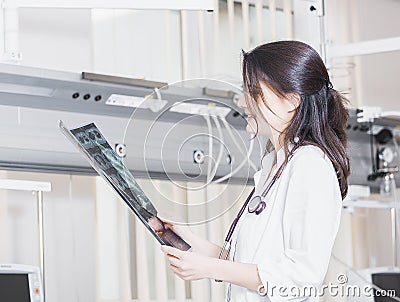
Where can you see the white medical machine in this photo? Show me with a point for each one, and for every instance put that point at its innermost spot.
(20, 283)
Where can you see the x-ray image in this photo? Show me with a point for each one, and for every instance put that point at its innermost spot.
(90, 141)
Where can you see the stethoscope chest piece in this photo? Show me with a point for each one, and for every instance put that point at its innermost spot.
(256, 205)
(253, 205)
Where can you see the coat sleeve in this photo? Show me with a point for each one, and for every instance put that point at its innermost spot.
(310, 223)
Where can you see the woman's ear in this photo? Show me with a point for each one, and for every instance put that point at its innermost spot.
(293, 100)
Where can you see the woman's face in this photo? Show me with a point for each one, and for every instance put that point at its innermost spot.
(275, 113)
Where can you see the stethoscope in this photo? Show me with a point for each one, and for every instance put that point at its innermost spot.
(254, 204)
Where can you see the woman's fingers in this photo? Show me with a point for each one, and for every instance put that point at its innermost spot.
(168, 225)
(164, 217)
(178, 228)
(174, 261)
(186, 265)
(156, 224)
(176, 269)
(180, 273)
(173, 251)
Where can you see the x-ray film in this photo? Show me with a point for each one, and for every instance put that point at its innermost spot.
(90, 142)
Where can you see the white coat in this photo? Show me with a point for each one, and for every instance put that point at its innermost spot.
(292, 239)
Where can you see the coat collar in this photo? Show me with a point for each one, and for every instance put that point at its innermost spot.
(274, 156)
(261, 176)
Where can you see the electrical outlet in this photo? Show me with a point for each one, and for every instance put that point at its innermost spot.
(198, 156)
(316, 7)
(200, 109)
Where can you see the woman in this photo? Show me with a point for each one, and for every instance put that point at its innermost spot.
(285, 244)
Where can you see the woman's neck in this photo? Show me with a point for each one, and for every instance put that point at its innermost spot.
(277, 140)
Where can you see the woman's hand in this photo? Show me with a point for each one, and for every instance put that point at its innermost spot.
(198, 244)
(188, 265)
(195, 266)
(181, 230)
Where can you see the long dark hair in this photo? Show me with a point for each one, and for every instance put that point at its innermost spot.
(320, 119)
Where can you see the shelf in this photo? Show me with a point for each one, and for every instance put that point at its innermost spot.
(372, 204)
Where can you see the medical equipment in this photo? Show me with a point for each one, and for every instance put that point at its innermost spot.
(369, 114)
(382, 157)
(380, 136)
(232, 228)
(20, 283)
(50, 95)
(366, 284)
(254, 204)
(211, 111)
(248, 160)
(212, 172)
(228, 128)
(257, 203)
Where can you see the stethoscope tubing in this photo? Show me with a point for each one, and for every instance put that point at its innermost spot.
(257, 210)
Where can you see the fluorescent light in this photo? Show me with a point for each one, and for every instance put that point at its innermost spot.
(122, 4)
(25, 89)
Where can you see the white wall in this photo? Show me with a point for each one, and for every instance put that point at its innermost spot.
(142, 44)
(369, 79)
(56, 39)
(380, 73)
(166, 46)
